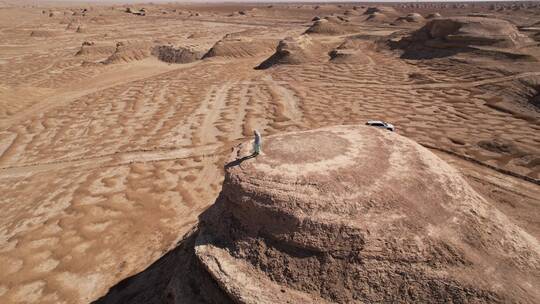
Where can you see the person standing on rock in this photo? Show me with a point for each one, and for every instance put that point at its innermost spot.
(257, 143)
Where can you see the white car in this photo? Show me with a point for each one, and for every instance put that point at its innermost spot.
(380, 124)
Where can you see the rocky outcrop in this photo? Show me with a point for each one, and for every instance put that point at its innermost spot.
(344, 214)
(357, 214)
(478, 36)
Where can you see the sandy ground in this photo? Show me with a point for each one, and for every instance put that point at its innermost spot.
(103, 168)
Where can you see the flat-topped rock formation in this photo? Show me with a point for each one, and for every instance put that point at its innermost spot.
(483, 36)
(471, 31)
(357, 214)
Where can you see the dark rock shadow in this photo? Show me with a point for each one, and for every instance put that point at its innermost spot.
(417, 51)
(177, 277)
(239, 161)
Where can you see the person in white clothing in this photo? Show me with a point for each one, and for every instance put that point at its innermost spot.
(257, 143)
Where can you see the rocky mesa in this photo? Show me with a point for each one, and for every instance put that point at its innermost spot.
(351, 214)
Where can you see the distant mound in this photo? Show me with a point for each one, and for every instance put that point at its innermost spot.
(321, 218)
(55, 14)
(410, 18)
(43, 34)
(233, 46)
(433, 15)
(99, 20)
(72, 26)
(291, 50)
(389, 11)
(380, 14)
(331, 26)
(467, 31)
(171, 54)
(378, 17)
(91, 49)
(447, 36)
(352, 12)
(197, 35)
(129, 51)
(352, 51)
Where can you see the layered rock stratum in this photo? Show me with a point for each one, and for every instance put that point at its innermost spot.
(356, 214)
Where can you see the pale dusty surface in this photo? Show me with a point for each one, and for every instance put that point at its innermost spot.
(103, 167)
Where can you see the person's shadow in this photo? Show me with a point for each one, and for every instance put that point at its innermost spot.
(240, 160)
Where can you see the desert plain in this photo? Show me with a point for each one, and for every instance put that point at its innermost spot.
(116, 120)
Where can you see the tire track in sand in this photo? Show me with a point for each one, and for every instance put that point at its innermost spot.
(115, 159)
(285, 98)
